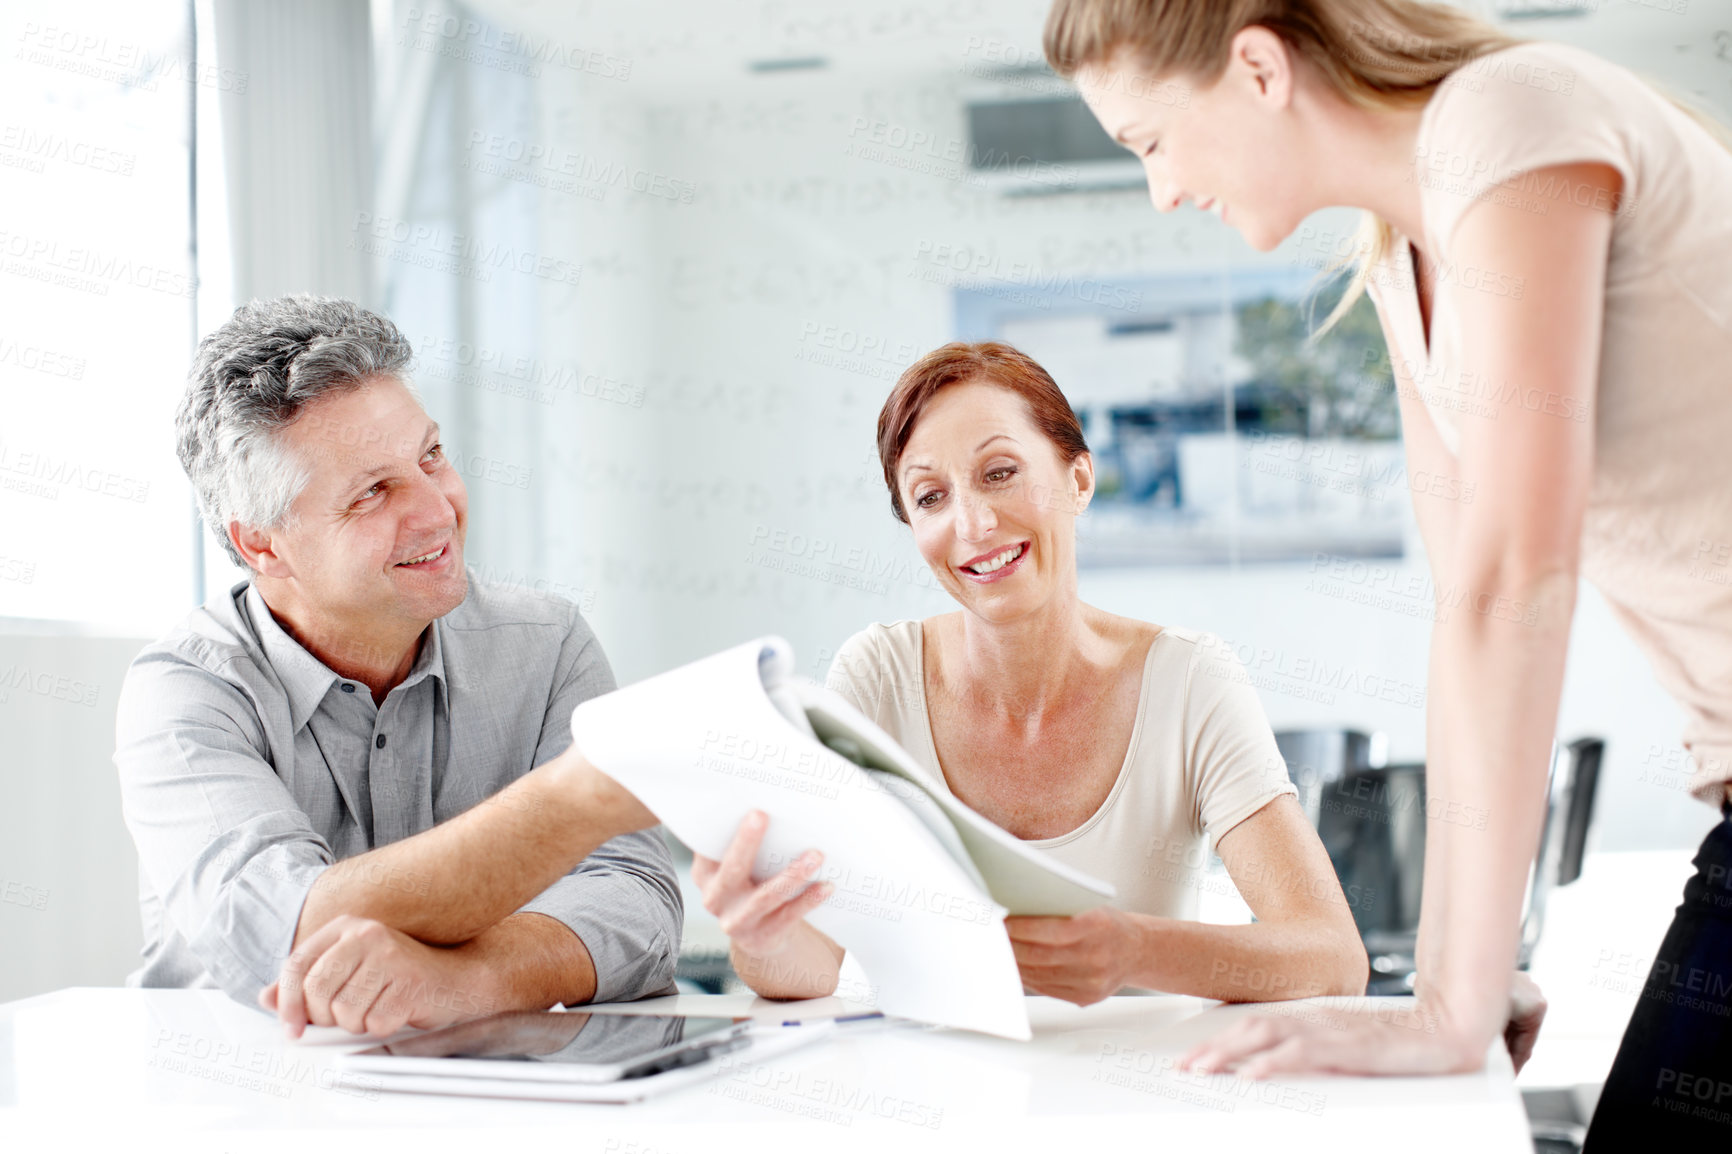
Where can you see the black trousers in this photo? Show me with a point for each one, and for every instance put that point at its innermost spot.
(1670, 1088)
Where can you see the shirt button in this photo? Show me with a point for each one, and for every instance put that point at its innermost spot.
(347, 688)
(379, 742)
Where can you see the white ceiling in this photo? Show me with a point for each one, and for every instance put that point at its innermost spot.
(678, 43)
(697, 41)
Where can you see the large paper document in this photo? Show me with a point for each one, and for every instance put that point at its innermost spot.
(922, 882)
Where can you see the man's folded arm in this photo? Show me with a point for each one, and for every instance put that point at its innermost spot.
(245, 877)
(219, 837)
(485, 863)
(446, 885)
(623, 901)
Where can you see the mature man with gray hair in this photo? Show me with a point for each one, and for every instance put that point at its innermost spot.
(349, 777)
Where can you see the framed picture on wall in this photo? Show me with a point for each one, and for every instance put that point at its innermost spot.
(1223, 431)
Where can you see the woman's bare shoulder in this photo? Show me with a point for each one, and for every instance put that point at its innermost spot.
(942, 627)
(1131, 634)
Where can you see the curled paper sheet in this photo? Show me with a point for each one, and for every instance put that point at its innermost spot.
(922, 883)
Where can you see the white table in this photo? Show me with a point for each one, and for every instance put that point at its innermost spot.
(129, 1070)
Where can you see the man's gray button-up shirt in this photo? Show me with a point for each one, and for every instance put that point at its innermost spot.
(247, 767)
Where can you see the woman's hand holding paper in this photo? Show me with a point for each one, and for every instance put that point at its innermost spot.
(1081, 959)
(759, 916)
(774, 950)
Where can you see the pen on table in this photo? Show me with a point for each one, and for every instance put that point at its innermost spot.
(839, 1021)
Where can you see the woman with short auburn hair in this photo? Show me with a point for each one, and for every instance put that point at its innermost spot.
(1548, 246)
(1124, 749)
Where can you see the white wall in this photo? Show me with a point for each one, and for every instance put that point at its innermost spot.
(753, 451)
(68, 870)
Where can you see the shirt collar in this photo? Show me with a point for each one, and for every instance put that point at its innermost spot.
(306, 679)
(430, 661)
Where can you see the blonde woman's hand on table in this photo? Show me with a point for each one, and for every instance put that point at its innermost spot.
(1399, 1039)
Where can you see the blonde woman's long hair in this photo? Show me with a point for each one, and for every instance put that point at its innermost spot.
(1373, 53)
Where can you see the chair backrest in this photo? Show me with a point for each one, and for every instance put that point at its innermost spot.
(1362, 810)
(1371, 819)
(1318, 758)
(1575, 777)
(1372, 823)
(1586, 753)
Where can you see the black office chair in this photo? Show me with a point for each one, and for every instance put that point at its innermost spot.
(1371, 818)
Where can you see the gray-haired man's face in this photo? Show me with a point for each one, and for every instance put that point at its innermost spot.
(378, 531)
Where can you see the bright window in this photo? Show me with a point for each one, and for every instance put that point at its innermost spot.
(96, 311)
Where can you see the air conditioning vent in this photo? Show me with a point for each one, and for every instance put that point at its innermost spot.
(1536, 9)
(1044, 146)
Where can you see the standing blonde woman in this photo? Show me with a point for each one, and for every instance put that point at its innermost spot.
(1550, 251)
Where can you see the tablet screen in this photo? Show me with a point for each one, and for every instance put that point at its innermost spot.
(556, 1036)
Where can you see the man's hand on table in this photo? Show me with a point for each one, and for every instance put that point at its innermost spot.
(368, 978)
(1082, 959)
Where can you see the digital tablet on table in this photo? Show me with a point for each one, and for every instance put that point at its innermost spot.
(554, 1046)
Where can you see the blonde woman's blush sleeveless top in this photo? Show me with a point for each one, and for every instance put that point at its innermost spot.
(1657, 536)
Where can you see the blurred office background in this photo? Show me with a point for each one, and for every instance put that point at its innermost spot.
(661, 262)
